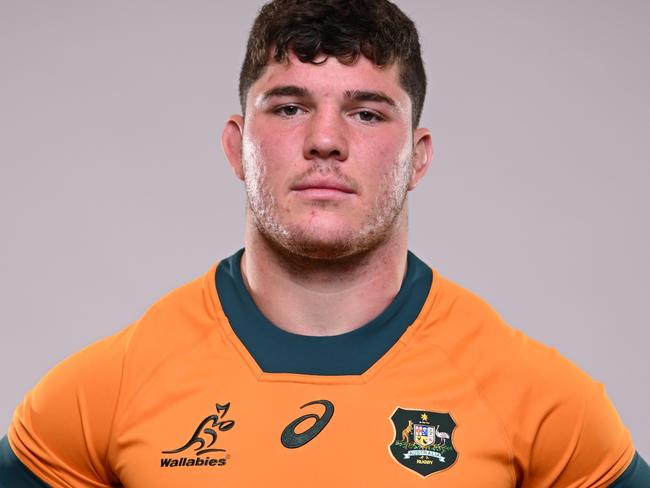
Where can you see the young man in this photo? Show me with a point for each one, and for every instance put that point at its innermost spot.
(323, 352)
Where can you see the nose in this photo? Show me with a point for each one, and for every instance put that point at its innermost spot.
(326, 136)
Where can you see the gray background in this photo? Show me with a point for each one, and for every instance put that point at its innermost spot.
(114, 190)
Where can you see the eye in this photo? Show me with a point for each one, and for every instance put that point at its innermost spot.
(288, 110)
(368, 116)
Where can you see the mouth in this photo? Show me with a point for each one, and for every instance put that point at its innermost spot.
(323, 186)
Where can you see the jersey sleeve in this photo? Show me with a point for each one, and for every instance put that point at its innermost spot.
(61, 431)
(581, 441)
(561, 429)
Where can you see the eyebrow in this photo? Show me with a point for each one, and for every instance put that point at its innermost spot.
(286, 91)
(369, 96)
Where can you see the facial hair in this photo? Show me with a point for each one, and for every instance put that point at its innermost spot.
(300, 240)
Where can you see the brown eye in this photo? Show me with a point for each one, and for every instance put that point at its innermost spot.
(288, 110)
(368, 116)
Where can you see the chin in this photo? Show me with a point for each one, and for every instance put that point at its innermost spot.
(327, 237)
(322, 250)
(326, 244)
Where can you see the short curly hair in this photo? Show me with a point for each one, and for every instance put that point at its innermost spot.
(346, 29)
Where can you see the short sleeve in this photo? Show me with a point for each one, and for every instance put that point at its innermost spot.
(62, 429)
(581, 441)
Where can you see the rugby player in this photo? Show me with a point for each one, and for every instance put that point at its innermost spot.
(323, 353)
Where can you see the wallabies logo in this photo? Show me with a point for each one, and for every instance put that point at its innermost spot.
(202, 442)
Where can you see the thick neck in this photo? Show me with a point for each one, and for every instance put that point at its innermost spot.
(306, 297)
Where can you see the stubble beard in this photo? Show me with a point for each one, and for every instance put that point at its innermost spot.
(300, 241)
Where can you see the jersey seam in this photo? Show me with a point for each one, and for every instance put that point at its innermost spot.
(582, 425)
(115, 407)
(474, 382)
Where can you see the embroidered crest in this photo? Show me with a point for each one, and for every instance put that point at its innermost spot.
(423, 440)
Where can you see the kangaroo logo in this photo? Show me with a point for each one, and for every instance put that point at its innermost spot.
(205, 434)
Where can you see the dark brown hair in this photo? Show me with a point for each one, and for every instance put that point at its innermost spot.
(346, 29)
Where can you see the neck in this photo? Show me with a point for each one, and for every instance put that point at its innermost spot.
(323, 297)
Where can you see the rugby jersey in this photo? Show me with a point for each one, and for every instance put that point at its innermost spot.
(204, 391)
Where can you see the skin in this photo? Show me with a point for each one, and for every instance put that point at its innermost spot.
(327, 153)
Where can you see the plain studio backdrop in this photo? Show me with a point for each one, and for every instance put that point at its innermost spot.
(114, 189)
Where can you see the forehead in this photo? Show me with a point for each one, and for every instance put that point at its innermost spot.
(327, 76)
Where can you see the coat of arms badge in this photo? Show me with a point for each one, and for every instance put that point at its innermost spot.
(423, 440)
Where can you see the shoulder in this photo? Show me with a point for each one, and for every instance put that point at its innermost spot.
(559, 420)
(173, 327)
(176, 319)
(478, 340)
(71, 414)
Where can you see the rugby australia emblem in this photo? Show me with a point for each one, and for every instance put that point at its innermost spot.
(423, 440)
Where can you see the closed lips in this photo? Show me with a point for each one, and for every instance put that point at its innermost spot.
(323, 184)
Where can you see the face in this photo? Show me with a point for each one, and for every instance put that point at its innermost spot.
(327, 153)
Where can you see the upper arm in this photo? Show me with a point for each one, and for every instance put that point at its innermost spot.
(62, 429)
(581, 442)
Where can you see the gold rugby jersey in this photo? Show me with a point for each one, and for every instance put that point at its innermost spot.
(204, 391)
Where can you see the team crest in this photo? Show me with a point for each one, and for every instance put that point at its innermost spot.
(423, 440)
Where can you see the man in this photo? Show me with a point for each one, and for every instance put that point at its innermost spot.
(324, 352)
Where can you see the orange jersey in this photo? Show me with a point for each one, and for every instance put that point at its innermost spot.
(459, 399)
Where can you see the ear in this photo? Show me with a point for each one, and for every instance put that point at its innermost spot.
(422, 155)
(231, 142)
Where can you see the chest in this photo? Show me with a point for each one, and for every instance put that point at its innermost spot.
(416, 422)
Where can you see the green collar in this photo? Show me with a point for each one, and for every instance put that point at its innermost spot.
(352, 353)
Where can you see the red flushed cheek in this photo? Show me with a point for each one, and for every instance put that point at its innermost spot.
(279, 150)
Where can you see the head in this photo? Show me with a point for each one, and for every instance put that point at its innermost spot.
(331, 91)
(345, 29)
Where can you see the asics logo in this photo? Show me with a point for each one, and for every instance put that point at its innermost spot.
(291, 440)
